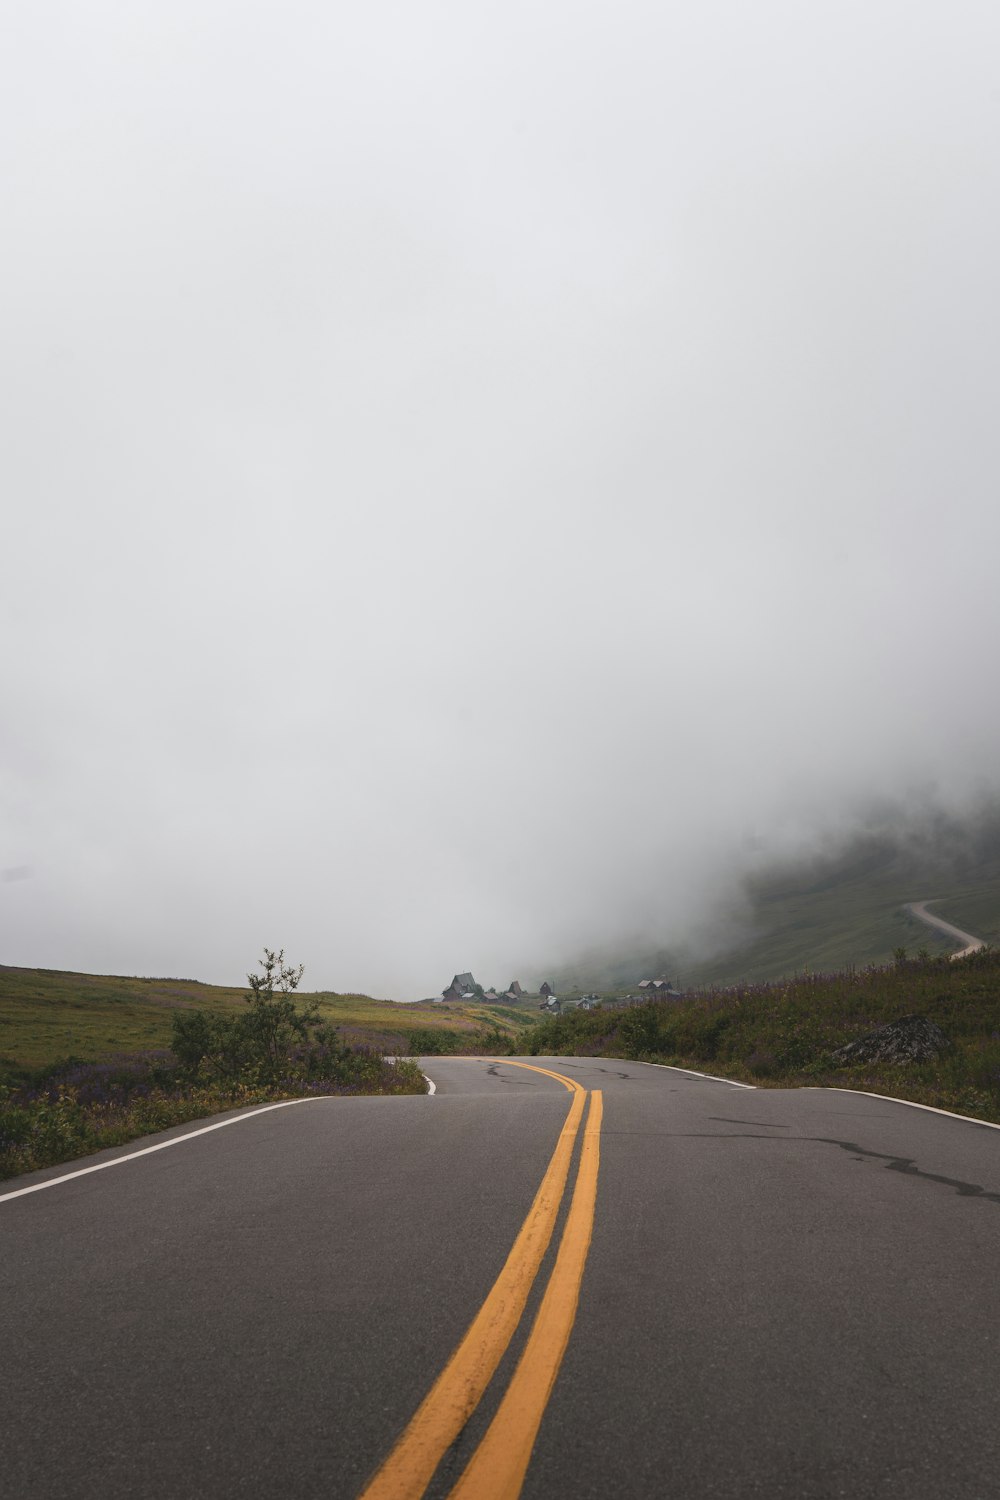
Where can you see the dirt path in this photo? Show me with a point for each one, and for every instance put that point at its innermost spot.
(970, 944)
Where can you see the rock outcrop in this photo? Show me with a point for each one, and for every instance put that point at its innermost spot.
(911, 1039)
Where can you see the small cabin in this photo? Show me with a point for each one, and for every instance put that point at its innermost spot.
(462, 987)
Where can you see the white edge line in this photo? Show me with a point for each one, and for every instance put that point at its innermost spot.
(432, 1087)
(712, 1077)
(812, 1088)
(911, 1103)
(175, 1140)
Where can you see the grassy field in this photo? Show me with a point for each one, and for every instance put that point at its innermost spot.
(784, 1034)
(839, 910)
(48, 1015)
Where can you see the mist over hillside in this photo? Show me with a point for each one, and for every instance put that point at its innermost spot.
(489, 482)
(838, 905)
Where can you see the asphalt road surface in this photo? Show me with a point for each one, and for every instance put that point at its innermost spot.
(636, 1282)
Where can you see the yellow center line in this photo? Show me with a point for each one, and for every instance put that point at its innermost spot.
(509, 1062)
(497, 1468)
(458, 1390)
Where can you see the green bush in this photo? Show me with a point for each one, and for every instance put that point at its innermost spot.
(440, 1042)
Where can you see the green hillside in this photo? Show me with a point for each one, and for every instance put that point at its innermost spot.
(47, 1015)
(832, 912)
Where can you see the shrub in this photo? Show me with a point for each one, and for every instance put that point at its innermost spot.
(275, 1049)
(255, 1046)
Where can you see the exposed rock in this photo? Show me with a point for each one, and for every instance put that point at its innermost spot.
(912, 1039)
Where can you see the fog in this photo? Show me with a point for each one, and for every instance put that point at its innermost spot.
(476, 476)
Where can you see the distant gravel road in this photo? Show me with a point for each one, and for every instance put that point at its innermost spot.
(748, 1294)
(972, 944)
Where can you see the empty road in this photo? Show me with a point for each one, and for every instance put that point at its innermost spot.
(598, 1280)
(969, 944)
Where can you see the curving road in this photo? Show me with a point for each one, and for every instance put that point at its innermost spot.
(969, 943)
(744, 1293)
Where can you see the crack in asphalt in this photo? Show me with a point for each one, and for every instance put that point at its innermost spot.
(505, 1079)
(729, 1120)
(612, 1072)
(903, 1164)
(908, 1167)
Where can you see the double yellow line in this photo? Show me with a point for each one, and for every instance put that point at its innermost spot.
(497, 1468)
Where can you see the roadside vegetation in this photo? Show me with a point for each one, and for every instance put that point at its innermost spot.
(488, 1041)
(785, 1034)
(49, 1018)
(272, 1048)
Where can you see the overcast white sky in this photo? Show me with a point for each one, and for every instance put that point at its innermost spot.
(469, 471)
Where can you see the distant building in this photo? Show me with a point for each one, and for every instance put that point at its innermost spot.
(546, 991)
(659, 987)
(514, 990)
(551, 1006)
(462, 987)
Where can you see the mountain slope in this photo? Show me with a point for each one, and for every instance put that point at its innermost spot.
(839, 909)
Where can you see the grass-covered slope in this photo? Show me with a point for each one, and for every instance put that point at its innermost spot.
(784, 1034)
(90, 1060)
(48, 1015)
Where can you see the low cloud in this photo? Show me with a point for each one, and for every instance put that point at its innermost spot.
(486, 501)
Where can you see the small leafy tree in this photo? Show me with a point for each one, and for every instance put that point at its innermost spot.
(274, 1023)
(256, 1046)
